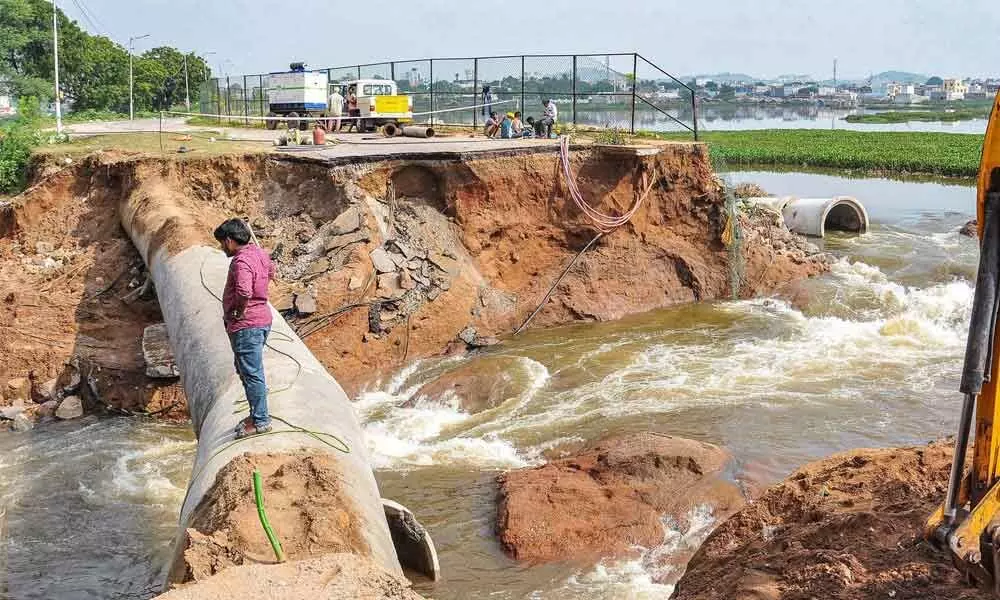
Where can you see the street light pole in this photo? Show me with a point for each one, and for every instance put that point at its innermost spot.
(131, 101)
(187, 89)
(55, 54)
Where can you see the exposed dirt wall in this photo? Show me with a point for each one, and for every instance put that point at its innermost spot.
(472, 243)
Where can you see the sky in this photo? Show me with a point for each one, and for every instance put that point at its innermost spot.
(764, 38)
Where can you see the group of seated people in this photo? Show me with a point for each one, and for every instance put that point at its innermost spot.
(511, 126)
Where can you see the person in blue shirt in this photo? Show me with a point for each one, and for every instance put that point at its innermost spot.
(507, 126)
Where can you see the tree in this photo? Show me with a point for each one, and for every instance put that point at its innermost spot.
(93, 70)
(935, 81)
(727, 92)
(712, 86)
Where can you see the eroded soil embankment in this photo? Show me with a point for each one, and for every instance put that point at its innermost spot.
(846, 527)
(387, 261)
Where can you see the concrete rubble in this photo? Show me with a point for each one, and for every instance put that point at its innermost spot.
(157, 353)
(70, 408)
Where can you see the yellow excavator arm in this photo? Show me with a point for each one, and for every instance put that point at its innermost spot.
(967, 524)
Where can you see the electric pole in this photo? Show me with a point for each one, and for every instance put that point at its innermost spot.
(131, 106)
(835, 73)
(55, 55)
(187, 89)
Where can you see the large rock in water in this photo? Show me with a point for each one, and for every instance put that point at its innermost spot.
(611, 497)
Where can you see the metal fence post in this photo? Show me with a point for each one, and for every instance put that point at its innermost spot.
(475, 89)
(246, 103)
(359, 71)
(218, 98)
(574, 89)
(694, 114)
(635, 80)
(431, 89)
(229, 111)
(522, 85)
(263, 97)
(392, 71)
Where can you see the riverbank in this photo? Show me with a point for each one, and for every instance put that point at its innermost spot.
(845, 527)
(896, 153)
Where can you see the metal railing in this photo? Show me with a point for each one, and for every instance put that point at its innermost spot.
(623, 90)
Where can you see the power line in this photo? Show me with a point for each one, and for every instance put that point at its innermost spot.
(87, 18)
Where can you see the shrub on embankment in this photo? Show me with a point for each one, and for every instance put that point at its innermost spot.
(17, 138)
(950, 154)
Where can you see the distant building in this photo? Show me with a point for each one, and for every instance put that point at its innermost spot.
(6, 108)
(954, 89)
(826, 90)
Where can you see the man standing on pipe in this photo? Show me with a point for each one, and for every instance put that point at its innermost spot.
(247, 317)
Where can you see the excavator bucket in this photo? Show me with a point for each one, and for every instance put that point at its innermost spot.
(967, 524)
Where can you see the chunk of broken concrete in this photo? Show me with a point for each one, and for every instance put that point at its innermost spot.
(383, 261)
(405, 281)
(70, 408)
(9, 412)
(23, 423)
(347, 221)
(48, 409)
(339, 241)
(18, 389)
(420, 278)
(319, 266)
(157, 353)
(403, 248)
(44, 247)
(355, 283)
(398, 259)
(305, 303)
(44, 392)
(388, 285)
(468, 335)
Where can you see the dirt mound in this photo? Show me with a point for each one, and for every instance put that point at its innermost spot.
(305, 504)
(611, 497)
(846, 527)
(329, 576)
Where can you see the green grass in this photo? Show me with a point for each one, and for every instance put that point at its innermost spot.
(903, 116)
(948, 154)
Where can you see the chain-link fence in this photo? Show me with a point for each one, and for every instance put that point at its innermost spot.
(626, 91)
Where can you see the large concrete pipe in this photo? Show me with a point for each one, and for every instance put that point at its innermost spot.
(183, 264)
(418, 131)
(813, 216)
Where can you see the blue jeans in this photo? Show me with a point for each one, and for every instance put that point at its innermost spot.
(248, 350)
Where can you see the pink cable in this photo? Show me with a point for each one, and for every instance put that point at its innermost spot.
(603, 222)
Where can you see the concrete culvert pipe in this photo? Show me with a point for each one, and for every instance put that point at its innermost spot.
(390, 130)
(418, 131)
(814, 216)
(189, 275)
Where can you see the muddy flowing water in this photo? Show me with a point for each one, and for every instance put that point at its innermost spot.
(868, 355)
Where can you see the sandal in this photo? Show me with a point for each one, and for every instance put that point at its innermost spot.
(245, 429)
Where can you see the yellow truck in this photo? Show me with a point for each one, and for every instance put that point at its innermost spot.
(378, 103)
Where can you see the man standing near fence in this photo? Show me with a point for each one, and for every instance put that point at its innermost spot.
(336, 109)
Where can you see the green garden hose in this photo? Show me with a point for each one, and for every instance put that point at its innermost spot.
(258, 494)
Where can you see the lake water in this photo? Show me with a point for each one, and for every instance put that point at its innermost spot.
(870, 356)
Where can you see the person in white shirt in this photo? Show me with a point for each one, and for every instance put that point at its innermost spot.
(549, 117)
(336, 110)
